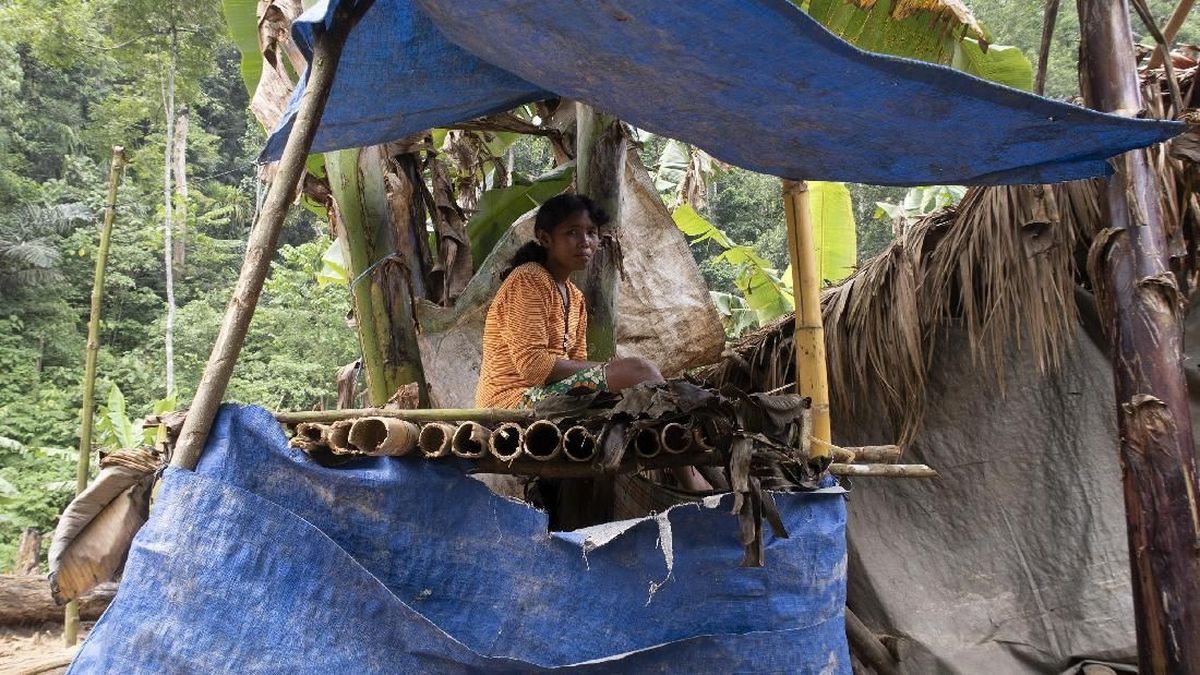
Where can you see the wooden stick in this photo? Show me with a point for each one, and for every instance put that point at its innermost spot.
(880, 454)
(419, 416)
(812, 378)
(1172, 28)
(1048, 20)
(868, 647)
(71, 616)
(260, 248)
(883, 470)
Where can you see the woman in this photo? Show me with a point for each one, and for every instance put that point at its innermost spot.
(535, 338)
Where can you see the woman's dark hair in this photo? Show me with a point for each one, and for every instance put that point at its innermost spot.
(552, 212)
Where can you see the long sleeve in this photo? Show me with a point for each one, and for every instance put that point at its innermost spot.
(524, 329)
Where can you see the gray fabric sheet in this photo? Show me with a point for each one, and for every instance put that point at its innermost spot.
(1015, 560)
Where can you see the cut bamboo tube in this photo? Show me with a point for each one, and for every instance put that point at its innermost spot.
(71, 616)
(417, 416)
(471, 440)
(506, 441)
(579, 444)
(339, 438)
(866, 454)
(543, 441)
(812, 378)
(646, 443)
(314, 433)
(436, 439)
(702, 439)
(676, 438)
(384, 436)
(264, 237)
(883, 470)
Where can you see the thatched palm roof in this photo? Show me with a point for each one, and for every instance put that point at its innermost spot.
(1004, 265)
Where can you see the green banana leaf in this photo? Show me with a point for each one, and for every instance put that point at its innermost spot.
(499, 209)
(241, 18)
(833, 230)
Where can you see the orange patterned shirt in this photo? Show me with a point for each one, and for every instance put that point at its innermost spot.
(525, 333)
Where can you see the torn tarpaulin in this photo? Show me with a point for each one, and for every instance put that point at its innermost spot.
(263, 561)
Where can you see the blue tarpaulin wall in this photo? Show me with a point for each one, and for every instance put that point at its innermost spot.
(263, 561)
(756, 83)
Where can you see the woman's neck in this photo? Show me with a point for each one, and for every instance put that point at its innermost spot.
(560, 274)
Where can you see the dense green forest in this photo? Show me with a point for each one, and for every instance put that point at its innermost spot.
(78, 77)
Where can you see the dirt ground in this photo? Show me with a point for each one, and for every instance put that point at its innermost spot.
(21, 648)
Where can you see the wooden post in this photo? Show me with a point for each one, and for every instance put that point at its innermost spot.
(115, 167)
(812, 377)
(600, 167)
(1172, 28)
(1140, 304)
(263, 239)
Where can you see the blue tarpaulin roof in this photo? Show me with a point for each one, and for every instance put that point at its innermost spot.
(756, 83)
(263, 561)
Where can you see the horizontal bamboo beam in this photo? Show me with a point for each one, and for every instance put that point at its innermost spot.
(417, 416)
(867, 454)
(883, 470)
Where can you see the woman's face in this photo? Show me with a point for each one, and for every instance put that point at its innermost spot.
(572, 243)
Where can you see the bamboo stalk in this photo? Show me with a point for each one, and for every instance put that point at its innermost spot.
(883, 470)
(579, 444)
(1172, 28)
(384, 436)
(436, 439)
(646, 443)
(675, 437)
(868, 647)
(470, 440)
(1049, 17)
(543, 441)
(71, 616)
(812, 378)
(506, 442)
(260, 248)
(419, 416)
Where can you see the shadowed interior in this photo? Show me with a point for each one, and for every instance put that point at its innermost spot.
(646, 443)
(579, 444)
(470, 440)
(506, 441)
(676, 437)
(542, 439)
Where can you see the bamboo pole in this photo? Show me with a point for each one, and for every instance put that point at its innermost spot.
(883, 470)
(1172, 28)
(812, 378)
(265, 236)
(1049, 17)
(1140, 303)
(418, 416)
(868, 647)
(91, 352)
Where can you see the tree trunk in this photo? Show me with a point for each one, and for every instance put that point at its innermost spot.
(26, 599)
(168, 209)
(1140, 303)
(29, 552)
(601, 147)
(179, 164)
(380, 221)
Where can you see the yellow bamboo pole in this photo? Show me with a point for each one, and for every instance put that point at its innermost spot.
(812, 378)
(71, 614)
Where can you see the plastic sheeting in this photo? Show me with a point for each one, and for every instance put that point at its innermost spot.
(1015, 561)
(756, 83)
(261, 561)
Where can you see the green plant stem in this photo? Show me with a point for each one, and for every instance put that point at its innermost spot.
(71, 618)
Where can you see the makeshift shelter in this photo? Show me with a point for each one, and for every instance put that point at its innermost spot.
(1059, 142)
(1013, 405)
